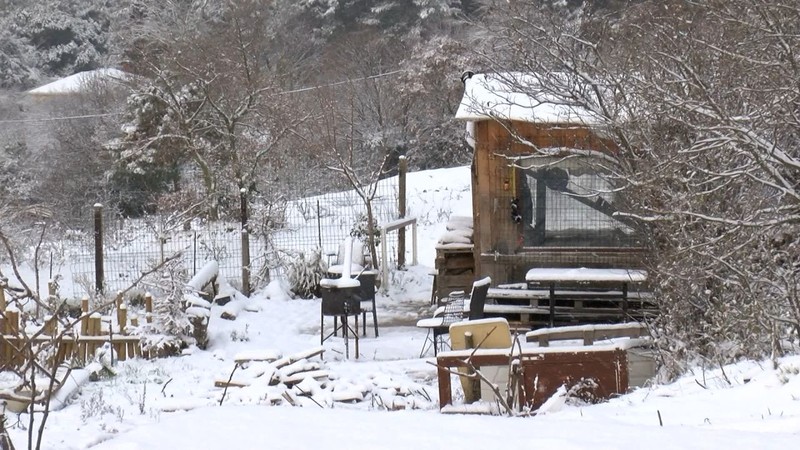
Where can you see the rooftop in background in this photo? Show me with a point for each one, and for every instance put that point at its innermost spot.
(521, 97)
(80, 82)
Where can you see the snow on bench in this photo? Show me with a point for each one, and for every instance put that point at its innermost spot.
(589, 333)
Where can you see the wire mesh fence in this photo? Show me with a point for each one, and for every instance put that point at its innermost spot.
(300, 226)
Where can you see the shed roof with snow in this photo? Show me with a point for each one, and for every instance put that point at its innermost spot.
(520, 97)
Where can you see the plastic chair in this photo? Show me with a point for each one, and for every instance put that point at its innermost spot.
(358, 260)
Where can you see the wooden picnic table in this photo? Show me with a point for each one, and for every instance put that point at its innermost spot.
(611, 284)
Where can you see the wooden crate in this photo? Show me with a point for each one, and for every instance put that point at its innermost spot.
(455, 270)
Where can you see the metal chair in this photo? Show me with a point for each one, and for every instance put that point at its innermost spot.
(477, 298)
(439, 325)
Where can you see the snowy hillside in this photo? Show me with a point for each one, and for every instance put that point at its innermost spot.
(173, 403)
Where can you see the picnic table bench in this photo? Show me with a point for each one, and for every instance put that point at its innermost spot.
(551, 296)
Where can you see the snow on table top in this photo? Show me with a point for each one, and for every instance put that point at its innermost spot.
(339, 283)
(585, 274)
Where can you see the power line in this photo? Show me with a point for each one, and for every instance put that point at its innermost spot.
(52, 119)
(371, 77)
(293, 91)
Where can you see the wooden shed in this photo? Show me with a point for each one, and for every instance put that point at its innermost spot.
(543, 187)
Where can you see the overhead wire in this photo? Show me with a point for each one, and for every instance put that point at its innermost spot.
(292, 91)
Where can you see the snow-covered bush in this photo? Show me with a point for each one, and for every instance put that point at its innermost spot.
(169, 330)
(361, 230)
(304, 272)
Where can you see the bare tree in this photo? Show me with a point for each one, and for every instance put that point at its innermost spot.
(701, 101)
(210, 101)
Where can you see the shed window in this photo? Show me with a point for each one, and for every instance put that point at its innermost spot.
(570, 203)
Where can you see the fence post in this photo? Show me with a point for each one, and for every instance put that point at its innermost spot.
(243, 205)
(401, 233)
(245, 244)
(85, 316)
(3, 284)
(3, 306)
(98, 248)
(319, 227)
(148, 308)
(245, 263)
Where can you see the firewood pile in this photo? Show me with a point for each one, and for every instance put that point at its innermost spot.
(303, 379)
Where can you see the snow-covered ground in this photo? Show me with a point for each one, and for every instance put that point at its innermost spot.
(173, 404)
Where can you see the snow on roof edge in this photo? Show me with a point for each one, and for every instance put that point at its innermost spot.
(502, 96)
(78, 82)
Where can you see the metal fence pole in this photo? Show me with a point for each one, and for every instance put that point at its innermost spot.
(99, 276)
(401, 233)
(319, 227)
(245, 244)
(245, 263)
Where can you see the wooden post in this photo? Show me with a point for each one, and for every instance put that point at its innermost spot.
(99, 276)
(12, 329)
(3, 306)
(118, 299)
(94, 325)
(540, 214)
(52, 295)
(134, 321)
(12, 322)
(245, 263)
(472, 390)
(50, 326)
(401, 233)
(148, 307)
(85, 316)
(122, 350)
(3, 285)
(122, 318)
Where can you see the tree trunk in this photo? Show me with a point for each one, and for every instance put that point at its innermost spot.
(371, 236)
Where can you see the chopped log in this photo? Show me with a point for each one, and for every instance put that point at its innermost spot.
(298, 377)
(348, 396)
(232, 309)
(290, 398)
(310, 353)
(299, 366)
(204, 277)
(226, 383)
(257, 355)
(200, 331)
